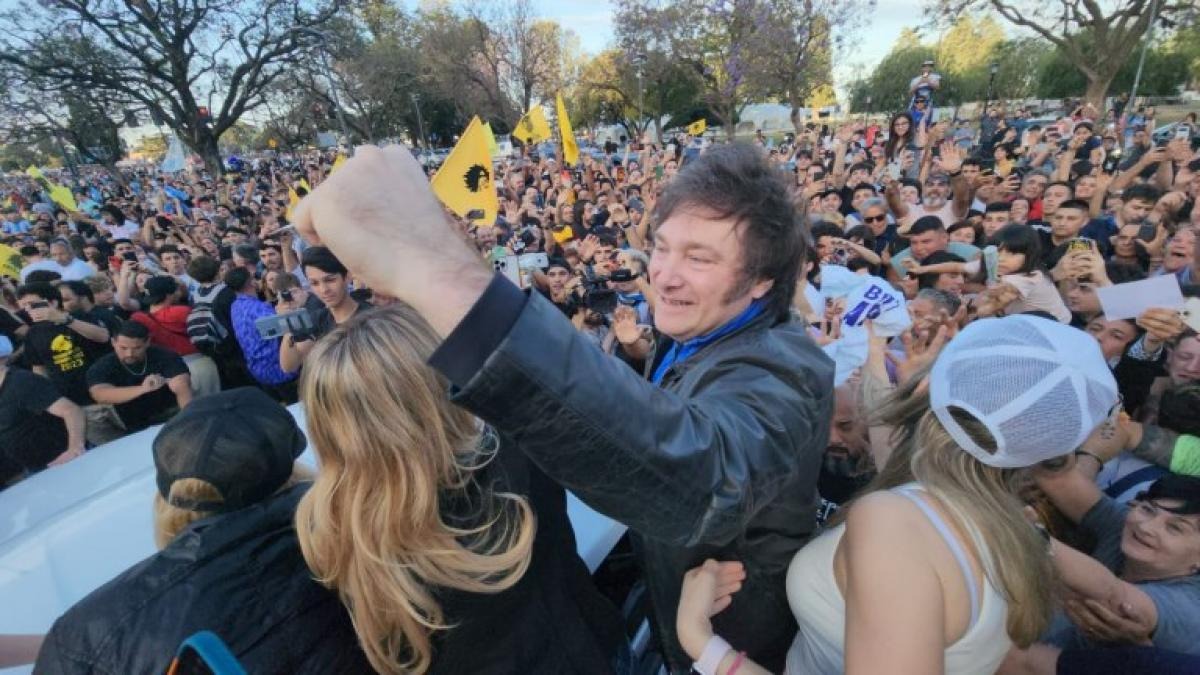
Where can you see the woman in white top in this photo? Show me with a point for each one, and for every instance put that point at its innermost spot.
(934, 568)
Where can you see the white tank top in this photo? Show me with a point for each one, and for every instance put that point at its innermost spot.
(820, 609)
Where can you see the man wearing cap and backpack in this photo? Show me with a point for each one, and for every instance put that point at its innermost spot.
(229, 563)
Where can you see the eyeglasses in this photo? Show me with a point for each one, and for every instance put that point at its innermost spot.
(874, 219)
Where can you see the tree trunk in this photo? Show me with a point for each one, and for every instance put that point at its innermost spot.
(111, 169)
(1097, 89)
(204, 143)
(797, 119)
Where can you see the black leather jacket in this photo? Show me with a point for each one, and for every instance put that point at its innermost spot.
(719, 461)
(240, 575)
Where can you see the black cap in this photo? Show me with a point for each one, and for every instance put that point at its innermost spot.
(1177, 487)
(241, 441)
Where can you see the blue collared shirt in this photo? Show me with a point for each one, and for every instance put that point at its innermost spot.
(681, 351)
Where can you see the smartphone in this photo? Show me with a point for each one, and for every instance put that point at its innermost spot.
(1147, 231)
(893, 170)
(286, 296)
(130, 256)
(1183, 133)
(530, 261)
(205, 654)
(298, 323)
(475, 214)
(1079, 244)
(658, 172)
(39, 305)
(509, 266)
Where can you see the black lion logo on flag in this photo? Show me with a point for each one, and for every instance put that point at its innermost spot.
(476, 177)
(527, 125)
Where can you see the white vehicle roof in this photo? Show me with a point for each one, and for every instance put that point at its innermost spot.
(69, 529)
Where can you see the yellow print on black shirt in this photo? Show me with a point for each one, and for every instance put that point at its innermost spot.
(65, 354)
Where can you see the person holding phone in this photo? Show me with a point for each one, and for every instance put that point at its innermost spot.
(261, 355)
(329, 281)
(58, 345)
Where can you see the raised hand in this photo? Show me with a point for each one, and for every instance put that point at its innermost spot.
(625, 325)
(411, 253)
(952, 157)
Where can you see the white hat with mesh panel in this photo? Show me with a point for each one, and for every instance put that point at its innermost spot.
(1038, 386)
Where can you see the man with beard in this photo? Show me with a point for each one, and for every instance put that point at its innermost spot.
(846, 465)
(936, 201)
(145, 384)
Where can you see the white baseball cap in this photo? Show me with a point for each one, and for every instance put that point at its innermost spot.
(1038, 386)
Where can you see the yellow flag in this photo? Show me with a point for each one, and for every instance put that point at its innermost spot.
(59, 194)
(337, 163)
(493, 149)
(464, 183)
(533, 127)
(63, 197)
(569, 147)
(696, 128)
(10, 262)
(293, 200)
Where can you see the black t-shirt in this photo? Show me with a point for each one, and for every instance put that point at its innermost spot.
(100, 317)
(324, 323)
(29, 436)
(9, 325)
(148, 408)
(66, 356)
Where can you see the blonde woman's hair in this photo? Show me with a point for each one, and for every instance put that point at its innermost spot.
(392, 451)
(170, 520)
(978, 497)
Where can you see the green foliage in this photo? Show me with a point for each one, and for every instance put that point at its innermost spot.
(1164, 72)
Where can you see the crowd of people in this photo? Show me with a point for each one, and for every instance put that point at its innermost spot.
(863, 397)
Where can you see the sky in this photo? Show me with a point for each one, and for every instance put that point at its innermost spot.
(592, 20)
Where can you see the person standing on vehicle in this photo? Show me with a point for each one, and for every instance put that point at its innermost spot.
(717, 455)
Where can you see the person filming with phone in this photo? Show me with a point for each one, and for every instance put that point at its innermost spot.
(261, 354)
(329, 281)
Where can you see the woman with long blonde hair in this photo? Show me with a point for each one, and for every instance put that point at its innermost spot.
(934, 568)
(451, 553)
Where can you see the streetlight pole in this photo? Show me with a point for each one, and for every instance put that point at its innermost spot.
(420, 124)
(1137, 77)
(333, 95)
(987, 99)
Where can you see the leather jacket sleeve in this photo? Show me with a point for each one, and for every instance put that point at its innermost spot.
(683, 470)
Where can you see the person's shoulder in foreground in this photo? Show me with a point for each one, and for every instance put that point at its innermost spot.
(225, 465)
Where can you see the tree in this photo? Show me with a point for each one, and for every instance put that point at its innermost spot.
(719, 43)
(1164, 72)
(799, 44)
(634, 91)
(165, 54)
(888, 84)
(1096, 38)
(88, 122)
